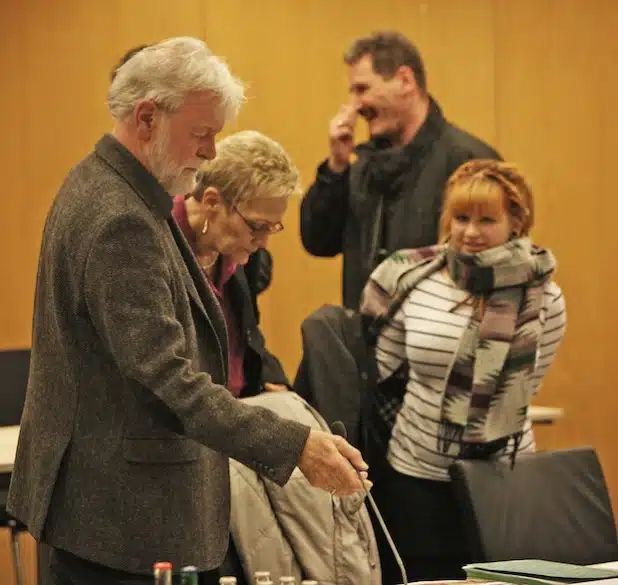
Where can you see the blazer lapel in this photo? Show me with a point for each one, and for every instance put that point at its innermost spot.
(200, 292)
(159, 201)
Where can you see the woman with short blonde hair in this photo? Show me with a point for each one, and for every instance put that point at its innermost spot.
(238, 203)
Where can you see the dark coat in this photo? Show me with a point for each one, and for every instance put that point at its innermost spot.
(260, 364)
(389, 199)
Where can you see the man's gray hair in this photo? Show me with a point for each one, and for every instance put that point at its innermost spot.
(166, 72)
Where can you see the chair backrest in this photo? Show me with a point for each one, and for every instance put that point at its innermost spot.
(552, 505)
(14, 366)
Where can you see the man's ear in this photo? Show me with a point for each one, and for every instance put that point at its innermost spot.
(406, 77)
(145, 119)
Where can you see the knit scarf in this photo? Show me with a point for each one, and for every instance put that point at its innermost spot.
(486, 396)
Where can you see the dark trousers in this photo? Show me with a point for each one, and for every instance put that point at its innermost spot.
(425, 523)
(68, 569)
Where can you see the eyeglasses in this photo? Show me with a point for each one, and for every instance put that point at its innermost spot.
(260, 228)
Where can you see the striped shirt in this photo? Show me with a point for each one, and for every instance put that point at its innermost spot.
(425, 333)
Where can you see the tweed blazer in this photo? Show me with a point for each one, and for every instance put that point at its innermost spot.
(127, 426)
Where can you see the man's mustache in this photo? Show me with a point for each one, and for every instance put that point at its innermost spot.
(368, 113)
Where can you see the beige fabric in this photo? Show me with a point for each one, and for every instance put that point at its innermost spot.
(299, 530)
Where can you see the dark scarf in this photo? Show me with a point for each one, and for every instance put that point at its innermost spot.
(383, 183)
(486, 397)
(388, 166)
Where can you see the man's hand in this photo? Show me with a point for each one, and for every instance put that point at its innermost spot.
(274, 387)
(341, 138)
(330, 462)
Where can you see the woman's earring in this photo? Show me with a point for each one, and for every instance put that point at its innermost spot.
(205, 228)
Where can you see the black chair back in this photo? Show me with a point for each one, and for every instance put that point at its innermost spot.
(552, 505)
(14, 365)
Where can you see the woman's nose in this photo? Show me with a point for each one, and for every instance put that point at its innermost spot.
(472, 230)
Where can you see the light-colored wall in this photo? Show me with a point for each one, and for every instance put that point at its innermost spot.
(534, 77)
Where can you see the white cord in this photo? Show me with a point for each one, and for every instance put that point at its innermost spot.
(391, 543)
(338, 428)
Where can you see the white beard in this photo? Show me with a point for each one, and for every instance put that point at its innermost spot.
(174, 179)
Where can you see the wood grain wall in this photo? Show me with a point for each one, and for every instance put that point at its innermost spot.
(536, 78)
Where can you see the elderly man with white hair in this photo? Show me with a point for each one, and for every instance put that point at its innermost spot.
(128, 426)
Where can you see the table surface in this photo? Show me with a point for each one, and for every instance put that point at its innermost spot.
(8, 447)
(545, 414)
(9, 435)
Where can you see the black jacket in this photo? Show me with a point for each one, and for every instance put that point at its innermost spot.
(336, 370)
(338, 376)
(260, 365)
(389, 199)
(258, 271)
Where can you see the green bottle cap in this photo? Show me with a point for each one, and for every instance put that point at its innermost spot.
(188, 575)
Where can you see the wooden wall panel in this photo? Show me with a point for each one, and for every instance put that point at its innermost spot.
(55, 64)
(534, 77)
(291, 55)
(57, 56)
(555, 117)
